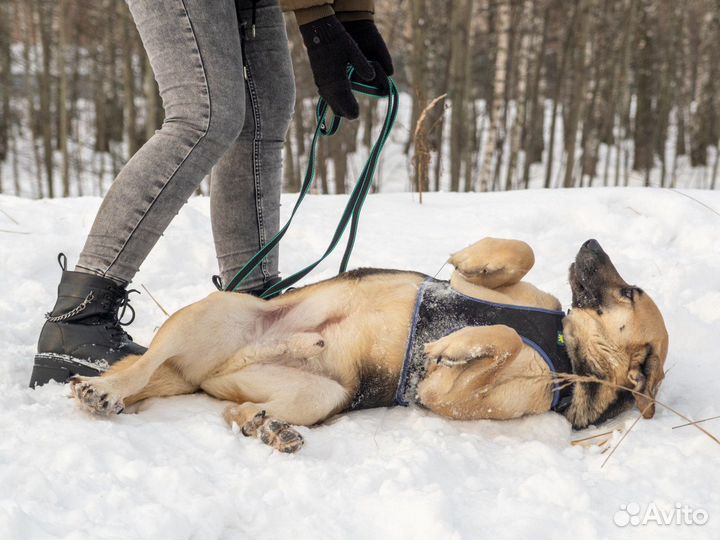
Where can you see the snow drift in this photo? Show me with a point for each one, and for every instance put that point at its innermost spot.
(175, 471)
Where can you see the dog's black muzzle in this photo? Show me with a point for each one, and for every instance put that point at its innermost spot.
(591, 275)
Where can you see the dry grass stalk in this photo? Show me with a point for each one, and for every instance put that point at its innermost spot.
(601, 439)
(567, 379)
(15, 221)
(696, 422)
(154, 300)
(625, 434)
(591, 437)
(422, 146)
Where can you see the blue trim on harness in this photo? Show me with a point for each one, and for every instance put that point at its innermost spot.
(508, 306)
(556, 384)
(402, 384)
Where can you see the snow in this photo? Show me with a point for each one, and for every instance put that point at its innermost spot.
(174, 470)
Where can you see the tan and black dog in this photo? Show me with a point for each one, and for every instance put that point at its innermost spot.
(342, 343)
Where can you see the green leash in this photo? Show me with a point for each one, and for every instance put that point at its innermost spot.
(351, 214)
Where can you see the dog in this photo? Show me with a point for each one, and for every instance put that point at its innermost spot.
(347, 343)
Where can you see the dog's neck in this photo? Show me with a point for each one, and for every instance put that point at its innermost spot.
(583, 408)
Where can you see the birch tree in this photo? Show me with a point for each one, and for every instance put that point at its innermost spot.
(496, 118)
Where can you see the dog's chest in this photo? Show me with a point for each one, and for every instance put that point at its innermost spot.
(441, 310)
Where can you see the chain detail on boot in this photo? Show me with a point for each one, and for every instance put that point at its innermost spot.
(79, 309)
(83, 333)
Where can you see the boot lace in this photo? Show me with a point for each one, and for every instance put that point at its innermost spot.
(122, 305)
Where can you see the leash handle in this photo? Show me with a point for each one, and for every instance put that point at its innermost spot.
(357, 198)
(354, 205)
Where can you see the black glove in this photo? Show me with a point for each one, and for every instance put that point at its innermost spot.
(372, 45)
(330, 50)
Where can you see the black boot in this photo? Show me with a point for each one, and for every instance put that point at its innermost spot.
(83, 333)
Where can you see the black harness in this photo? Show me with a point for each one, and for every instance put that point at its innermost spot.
(441, 310)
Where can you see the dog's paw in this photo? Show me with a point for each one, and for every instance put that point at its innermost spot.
(492, 262)
(457, 349)
(275, 433)
(470, 268)
(474, 261)
(94, 397)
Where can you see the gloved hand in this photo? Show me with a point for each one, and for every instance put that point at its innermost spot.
(373, 46)
(330, 50)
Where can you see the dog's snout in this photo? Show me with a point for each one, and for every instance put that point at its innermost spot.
(592, 245)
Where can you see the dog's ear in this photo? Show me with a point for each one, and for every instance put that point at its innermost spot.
(647, 380)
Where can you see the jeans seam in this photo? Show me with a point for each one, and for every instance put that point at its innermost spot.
(187, 155)
(257, 135)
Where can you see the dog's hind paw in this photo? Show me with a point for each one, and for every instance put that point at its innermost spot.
(275, 433)
(93, 398)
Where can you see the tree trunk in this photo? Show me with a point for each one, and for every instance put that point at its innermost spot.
(460, 34)
(557, 93)
(577, 92)
(64, 130)
(704, 123)
(644, 155)
(520, 97)
(5, 82)
(29, 34)
(503, 30)
(534, 137)
(45, 14)
(418, 64)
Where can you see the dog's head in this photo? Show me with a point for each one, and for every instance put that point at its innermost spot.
(614, 332)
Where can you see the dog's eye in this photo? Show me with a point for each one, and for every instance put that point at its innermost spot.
(628, 292)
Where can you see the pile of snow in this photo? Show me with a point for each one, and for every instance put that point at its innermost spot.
(175, 471)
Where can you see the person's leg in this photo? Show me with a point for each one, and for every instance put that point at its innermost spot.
(195, 52)
(246, 183)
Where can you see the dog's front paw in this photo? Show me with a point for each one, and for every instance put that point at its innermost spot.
(93, 396)
(279, 435)
(458, 349)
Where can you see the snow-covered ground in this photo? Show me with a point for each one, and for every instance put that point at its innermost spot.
(175, 471)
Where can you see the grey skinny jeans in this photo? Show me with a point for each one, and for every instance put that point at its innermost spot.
(228, 100)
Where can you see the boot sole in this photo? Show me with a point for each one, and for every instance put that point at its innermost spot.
(61, 368)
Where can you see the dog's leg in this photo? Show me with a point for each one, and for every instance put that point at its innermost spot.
(197, 339)
(165, 381)
(492, 269)
(270, 398)
(494, 262)
(106, 394)
(298, 346)
(462, 379)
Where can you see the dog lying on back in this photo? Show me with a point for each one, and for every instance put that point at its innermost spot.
(485, 345)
